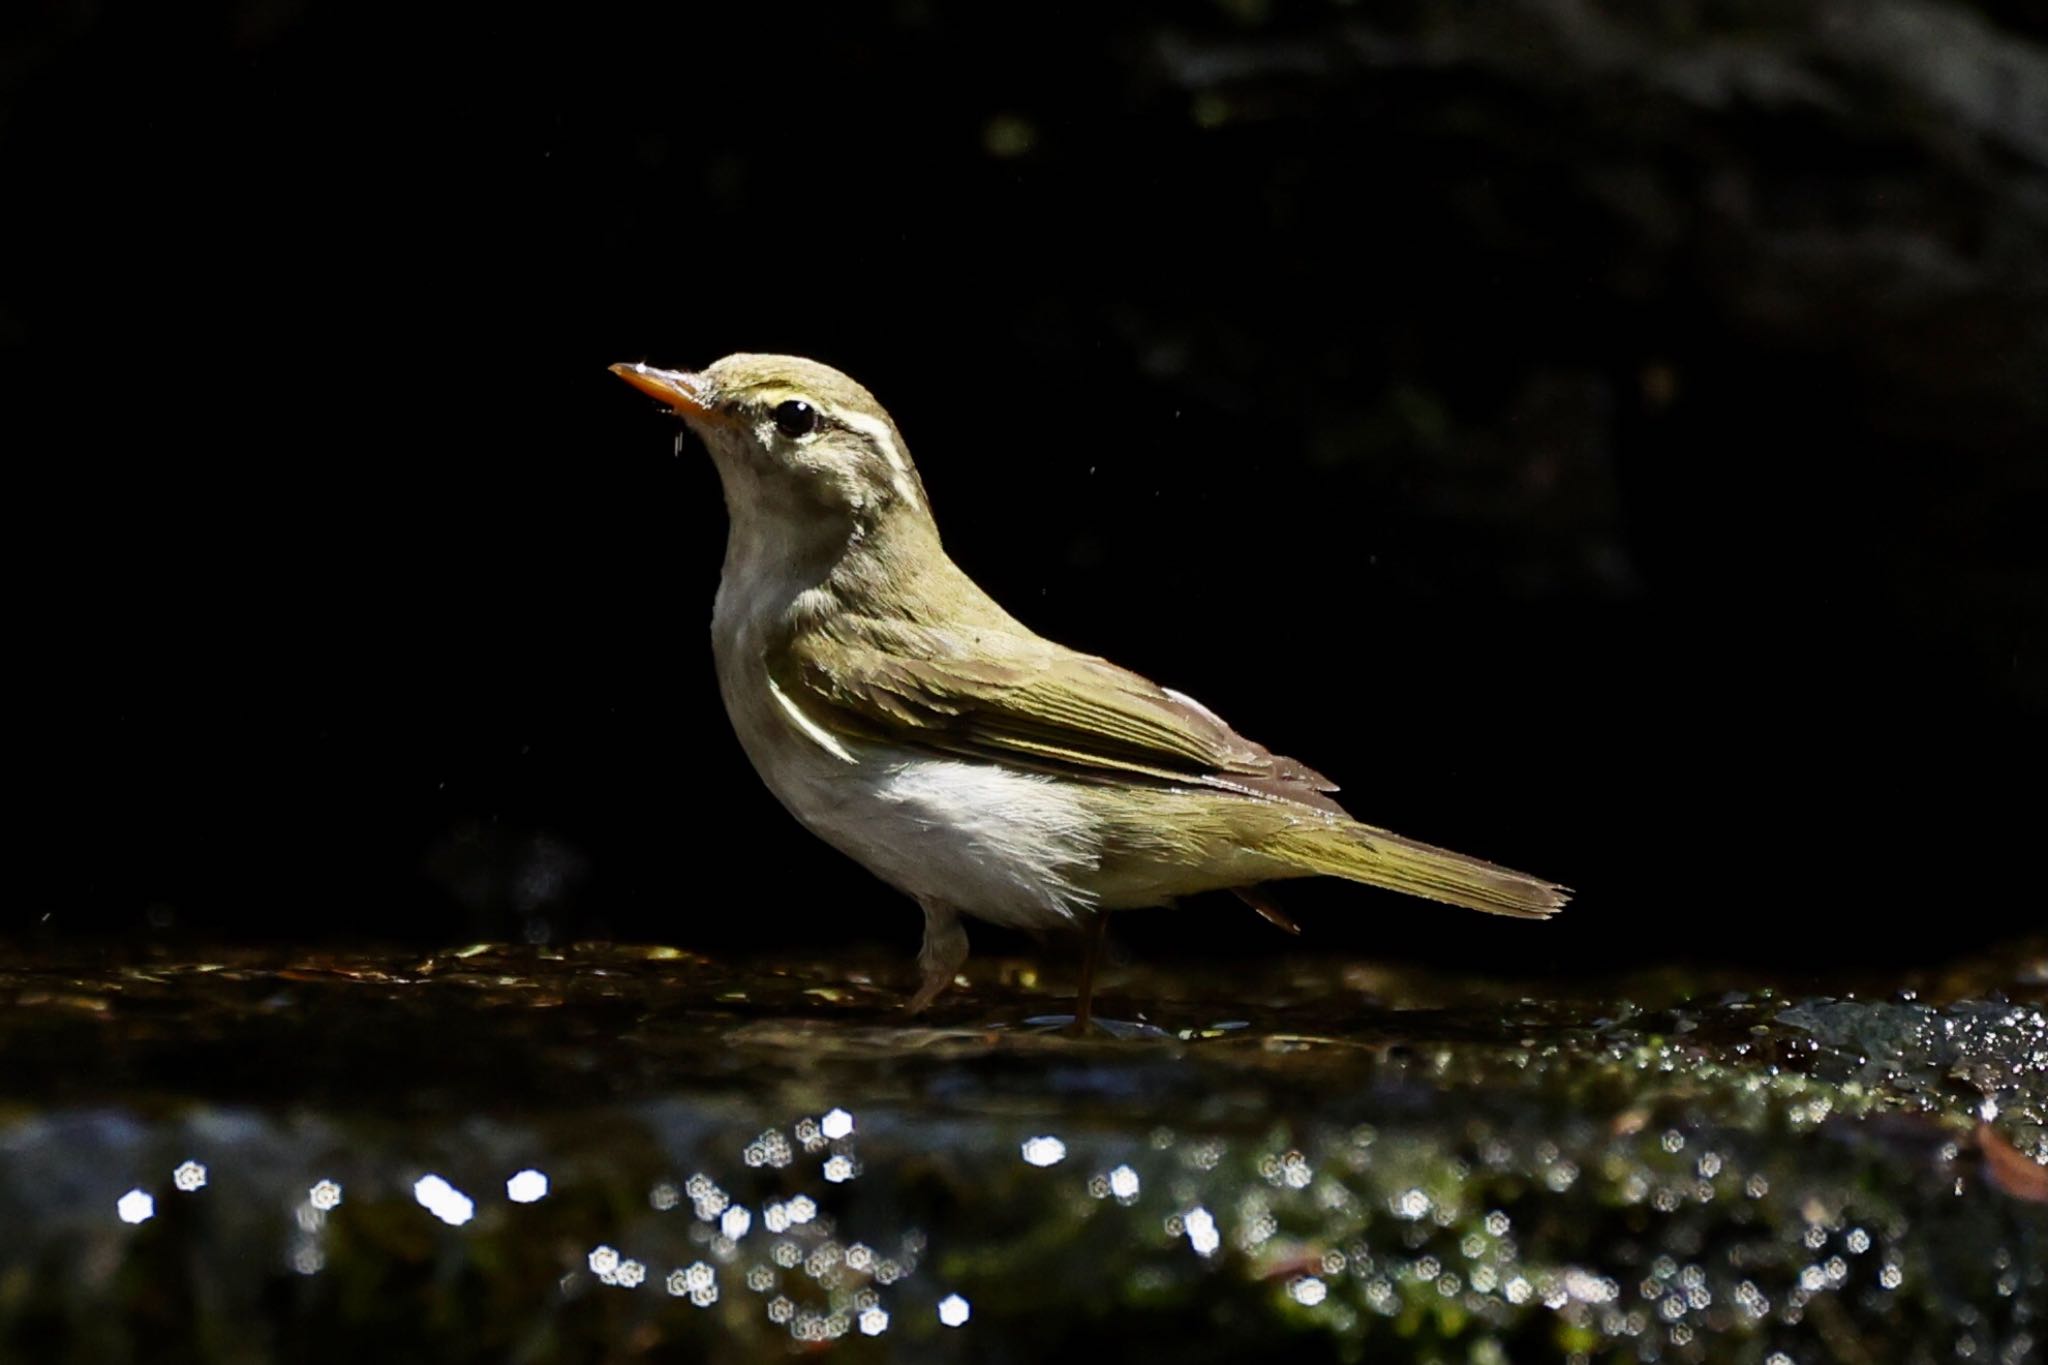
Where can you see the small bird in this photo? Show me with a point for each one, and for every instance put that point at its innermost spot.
(909, 721)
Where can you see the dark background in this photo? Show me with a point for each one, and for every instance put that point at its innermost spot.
(1605, 438)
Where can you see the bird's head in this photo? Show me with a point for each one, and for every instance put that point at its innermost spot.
(792, 439)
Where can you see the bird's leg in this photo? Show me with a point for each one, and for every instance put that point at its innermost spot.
(1098, 922)
(944, 950)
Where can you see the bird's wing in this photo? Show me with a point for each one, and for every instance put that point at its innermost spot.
(998, 694)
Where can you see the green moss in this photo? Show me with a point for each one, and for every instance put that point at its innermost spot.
(1373, 1167)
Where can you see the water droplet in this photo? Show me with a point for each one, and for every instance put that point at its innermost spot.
(1308, 1291)
(1202, 1233)
(443, 1200)
(136, 1206)
(527, 1187)
(1044, 1151)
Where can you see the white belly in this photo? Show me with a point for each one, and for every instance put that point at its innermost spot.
(1013, 848)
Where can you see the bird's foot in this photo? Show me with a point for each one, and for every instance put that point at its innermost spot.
(1074, 1026)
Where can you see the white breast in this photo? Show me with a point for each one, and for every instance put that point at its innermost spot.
(1004, 846)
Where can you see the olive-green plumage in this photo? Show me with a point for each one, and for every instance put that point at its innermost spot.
(904, 716)
(1178, 786)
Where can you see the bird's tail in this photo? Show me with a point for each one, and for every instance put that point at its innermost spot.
(1361, 853)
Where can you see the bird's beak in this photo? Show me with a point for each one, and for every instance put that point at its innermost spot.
(688, 394)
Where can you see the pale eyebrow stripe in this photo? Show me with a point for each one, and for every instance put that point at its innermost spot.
(899, 463)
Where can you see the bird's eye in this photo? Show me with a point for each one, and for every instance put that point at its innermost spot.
(795, 418)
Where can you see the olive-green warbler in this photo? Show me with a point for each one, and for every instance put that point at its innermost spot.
(916, 726)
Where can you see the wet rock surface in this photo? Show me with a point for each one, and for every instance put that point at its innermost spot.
(602, 1153)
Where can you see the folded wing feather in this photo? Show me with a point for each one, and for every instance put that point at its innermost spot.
(998, 696)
